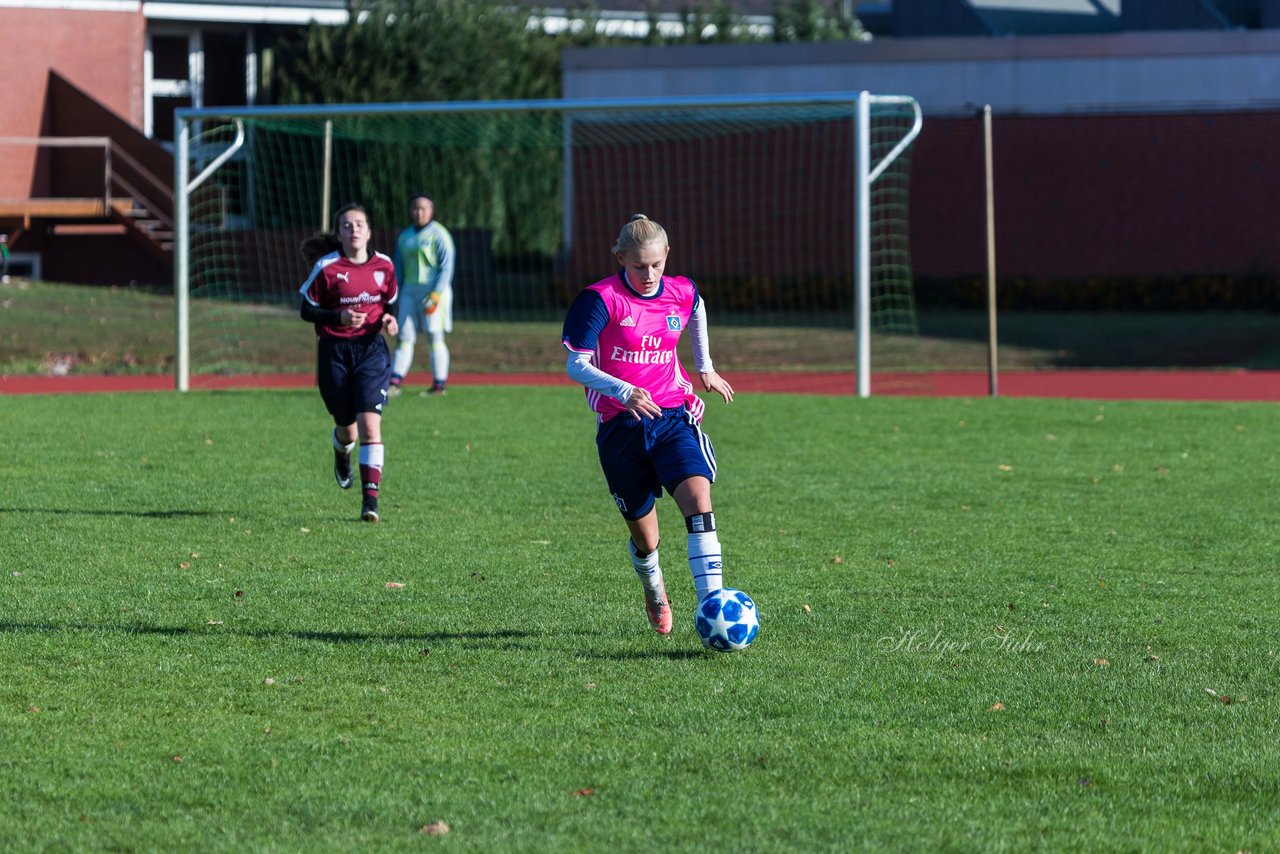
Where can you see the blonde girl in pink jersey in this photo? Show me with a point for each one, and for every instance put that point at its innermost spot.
(622, 333)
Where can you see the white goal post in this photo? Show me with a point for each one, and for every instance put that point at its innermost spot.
(213, 146)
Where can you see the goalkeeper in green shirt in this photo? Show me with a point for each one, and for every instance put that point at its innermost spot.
(424, 260)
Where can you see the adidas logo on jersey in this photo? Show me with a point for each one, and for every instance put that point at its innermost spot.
(628, 321)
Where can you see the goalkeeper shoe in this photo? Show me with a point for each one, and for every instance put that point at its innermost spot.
(342, 469)
(369, 509)
(658, 609)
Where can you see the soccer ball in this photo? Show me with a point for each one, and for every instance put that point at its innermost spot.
(726, 620)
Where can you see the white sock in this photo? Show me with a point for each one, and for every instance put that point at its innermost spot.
(372, 455)
(705, 562)
(439, 358)
(704, 553)
(338, 446)
(402, 359)
(647, 568)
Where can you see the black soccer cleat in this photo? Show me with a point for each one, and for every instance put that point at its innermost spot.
(342, 469)
(369, 509)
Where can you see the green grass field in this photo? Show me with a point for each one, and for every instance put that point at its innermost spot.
(987, 625)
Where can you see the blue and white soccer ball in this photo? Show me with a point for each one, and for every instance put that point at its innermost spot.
(727, 620)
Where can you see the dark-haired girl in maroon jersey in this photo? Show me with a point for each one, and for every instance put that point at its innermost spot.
(347, 297)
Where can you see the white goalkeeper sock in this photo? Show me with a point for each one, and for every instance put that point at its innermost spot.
(439, 358)
(402, 359)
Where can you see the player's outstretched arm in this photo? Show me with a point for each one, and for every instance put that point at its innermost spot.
(712, 381)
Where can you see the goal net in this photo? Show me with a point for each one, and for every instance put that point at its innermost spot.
(767, 203)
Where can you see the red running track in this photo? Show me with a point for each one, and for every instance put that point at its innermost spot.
(1086, 385)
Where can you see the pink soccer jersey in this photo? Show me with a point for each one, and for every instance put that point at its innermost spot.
(633, 338)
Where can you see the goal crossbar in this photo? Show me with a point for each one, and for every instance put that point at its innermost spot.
(856, 106)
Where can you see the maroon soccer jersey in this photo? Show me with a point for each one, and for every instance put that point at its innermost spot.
(338, 283)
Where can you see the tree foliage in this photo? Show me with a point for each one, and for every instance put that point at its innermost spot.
(812, 21)
(420, 50)
(472, 50)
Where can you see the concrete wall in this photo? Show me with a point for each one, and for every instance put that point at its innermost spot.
(100, 51)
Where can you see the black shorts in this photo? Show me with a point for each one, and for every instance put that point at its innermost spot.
(353, 375)
(640, 458)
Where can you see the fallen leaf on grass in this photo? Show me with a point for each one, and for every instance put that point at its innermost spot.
(837, 560)
(996, 707)
(1102, 662)
(583, 793)
(175, 758)
(33, 710)
(214, 623)
(807, 609)
(1223, 697)
(436, 828)
(393, 585)
(1004, 467)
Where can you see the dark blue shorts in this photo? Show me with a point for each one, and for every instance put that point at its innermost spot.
(353, 375)
(640, 458)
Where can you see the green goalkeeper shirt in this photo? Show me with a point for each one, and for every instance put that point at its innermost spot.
(425, 257)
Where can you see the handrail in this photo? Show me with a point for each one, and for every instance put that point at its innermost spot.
(102, 142)
(119, 151)
(151, 207)
(111, 176)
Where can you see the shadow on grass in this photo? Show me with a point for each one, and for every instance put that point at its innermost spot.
(502, 636)
(141, 514)
(649, 654)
